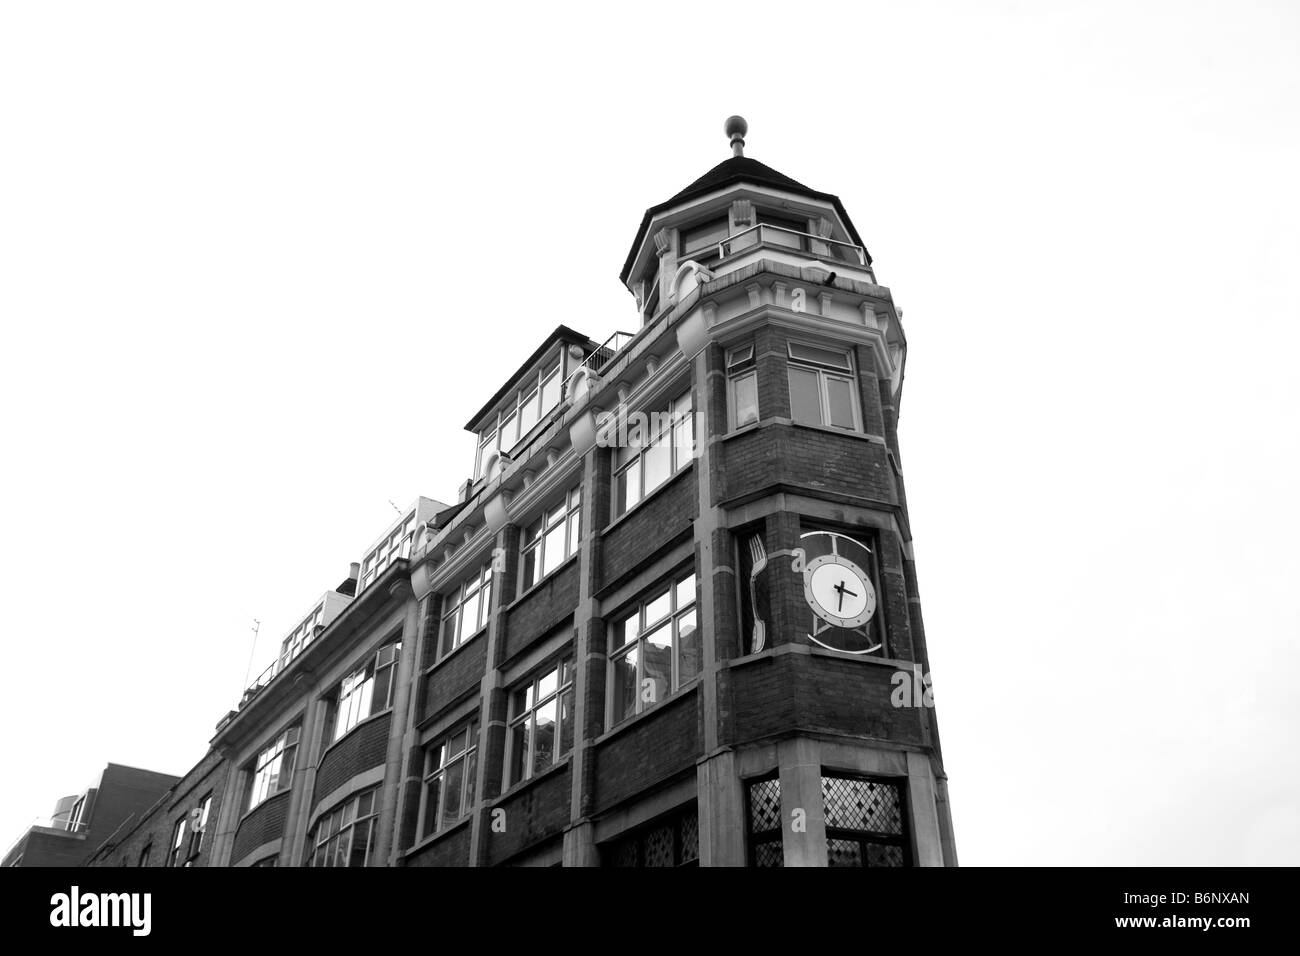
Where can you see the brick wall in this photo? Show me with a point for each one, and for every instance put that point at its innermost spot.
(650, 529)
(459, 674)
(658, 746)
(264, 824)
(363, 747)
(549, 604)
(535, 814)
(451, 850)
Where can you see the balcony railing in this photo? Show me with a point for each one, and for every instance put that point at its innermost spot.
(778, 237)
(598, 359)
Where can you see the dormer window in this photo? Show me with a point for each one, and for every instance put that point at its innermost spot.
(539, 394)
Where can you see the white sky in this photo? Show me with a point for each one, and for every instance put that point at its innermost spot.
(259, 262)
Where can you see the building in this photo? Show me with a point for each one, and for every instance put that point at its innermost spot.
(116, 798)
(672, 618)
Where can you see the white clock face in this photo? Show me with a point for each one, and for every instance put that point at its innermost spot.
(839, 591)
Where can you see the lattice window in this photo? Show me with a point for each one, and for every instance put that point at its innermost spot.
(763, 818)
(670, 841)
(866, 822)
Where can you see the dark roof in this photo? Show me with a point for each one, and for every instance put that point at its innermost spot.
(562, 333)
(738, 169)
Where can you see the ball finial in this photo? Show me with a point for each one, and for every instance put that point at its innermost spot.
(736, 128)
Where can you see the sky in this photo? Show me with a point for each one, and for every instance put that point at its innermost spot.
(259, 262)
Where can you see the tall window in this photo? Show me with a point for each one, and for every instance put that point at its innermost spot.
(144, 855)
(346, 835)
(368, 690)
(465, 610)
(865, 822)
(198, 831)
(742, 386)
(552, 539)
(672, 840)
(701, 242)
(449, 768)
(178, 840)
(75, 816)
(654, 649)
(541, 721)
(539, 394)
(273, 769)
(659, 444)
(397, 544)
(763, 816)
(823, 388)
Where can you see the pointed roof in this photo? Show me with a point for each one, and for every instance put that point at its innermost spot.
(737, 169)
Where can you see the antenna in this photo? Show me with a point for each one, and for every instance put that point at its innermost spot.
(257, 625)
(395, 508)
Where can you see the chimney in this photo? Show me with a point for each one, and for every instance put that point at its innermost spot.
(349, 585)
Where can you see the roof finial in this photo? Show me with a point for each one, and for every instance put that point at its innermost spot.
(736, 128)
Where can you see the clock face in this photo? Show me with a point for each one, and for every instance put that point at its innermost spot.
(839, 591)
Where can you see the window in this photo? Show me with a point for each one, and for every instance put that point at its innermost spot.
(368, 690)
(552, 539)
(541, 721)
(787, 232)
(178, 839)
(823, 388)
(302, 635)
(144, 855)
(654, 649)
(197, 832)
(267, 861)
(701, 242)
(273, 769)
(397, 544)
(539, 393)
(671, 841)
(865, 822)
(763, 816)
(346, 835)
(75, 823)
(658, 445)
(742, 386)
(466, 610)
(449, 769)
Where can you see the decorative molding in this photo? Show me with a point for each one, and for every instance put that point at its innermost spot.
(663, 242)
(742, 212)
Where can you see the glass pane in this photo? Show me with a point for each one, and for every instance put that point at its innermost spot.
(566, 723)
(575, 532)
(349, 813)
(685, 591)
(509, 432)
(740, 356)
(519, 751)
(657, 609)
(361, 837)
(744, 391)
(843, 853)
(449, 633)
(551, 390)
(630, 486)
(839, 396)
(688, 647)
(546, 686)
(527, 414)
(658, 464)
(553, 548)
(544, 741)
(432, 805)
(805, 401)
(456, 745)
(624, 697)
(343, 845)
(470, 614)
(624, 631)
(471, 778)
(366, 804)
(827, 357)
(530, 567)
(521, 700)
(658, 667)
(453, 781)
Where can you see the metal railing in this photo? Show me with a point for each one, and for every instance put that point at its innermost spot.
(601, 357)
(278, 665)
(779, 237)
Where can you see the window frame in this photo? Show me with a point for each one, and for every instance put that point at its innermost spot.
(480, 584)
(532, 388)
(382, 662)
(467, 759)
(516, 717)
(680, 411)
(902, 839)
(197, 835)
(178, 839)
(825, 373)
(706, 251)
(323, 840)
(672, 619)
(284, 743)
(396, 544)
(533, 541)
(740, 367)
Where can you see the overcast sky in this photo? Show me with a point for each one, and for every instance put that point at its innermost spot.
(259, 262)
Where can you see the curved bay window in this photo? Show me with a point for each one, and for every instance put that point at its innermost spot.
(346, 835)
(541, 721)
(466, 610)
(866, 822)
(450, 764)
(654, 649)
(368, 690)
